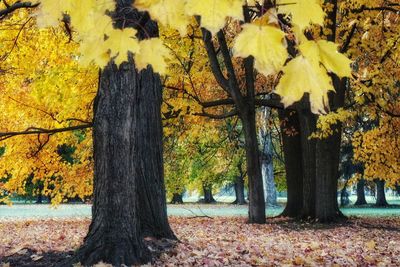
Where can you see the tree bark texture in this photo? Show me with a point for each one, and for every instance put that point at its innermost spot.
(308, 146)
(149, 157)
(289, 121)
(360, 193)
(129, 193)
(114, 234)
(267, 166)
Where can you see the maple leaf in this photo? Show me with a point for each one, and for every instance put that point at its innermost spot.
(50, 12)
(168, 12)
(266, 46)
(301, 76)
(152, 52)
(214, 12)
(303, 12)
(120, 42)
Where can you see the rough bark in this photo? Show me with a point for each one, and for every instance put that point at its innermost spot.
(360, 193)
(177, 198)
(289, 121)
(380, 194)
(149, 157)
(256, 192)
(114, 234)
(239, 191)
(308, 146)
(129, 194)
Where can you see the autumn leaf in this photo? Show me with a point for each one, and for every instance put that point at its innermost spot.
(302, 76)
(326, 53)
(120, 42)
(213, 13)
(266, 45)
(152, 52)
(303, 12)
(169, 13)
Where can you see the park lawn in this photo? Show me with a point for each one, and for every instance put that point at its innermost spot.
(222, 241)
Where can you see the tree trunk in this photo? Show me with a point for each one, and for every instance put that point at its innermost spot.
(149, 157)
(114, 234)
(208, 196)
(308, 146)
(289, 121)
(256, 192)
(380, 194)
(360, 193)
(267, 167)
(177, 199)
(398, 189)
(239, 191)
(327, 173)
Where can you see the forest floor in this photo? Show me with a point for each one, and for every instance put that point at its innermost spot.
(221, 241)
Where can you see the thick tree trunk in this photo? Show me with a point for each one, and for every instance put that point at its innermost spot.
(327, 173)
(149, 157)
(360, 193)
(380, 194)
(267, 167)
(114, 235)
(327, 162)
(256, 192)
(177, 198)
(307, 126)
(239, 191)
(208, 195)
(289, 122)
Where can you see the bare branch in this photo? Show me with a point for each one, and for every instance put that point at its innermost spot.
(35, 130)
(17, 5)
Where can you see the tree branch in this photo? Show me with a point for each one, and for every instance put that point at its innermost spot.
(214, 64)
(17, 5)
(35, 130)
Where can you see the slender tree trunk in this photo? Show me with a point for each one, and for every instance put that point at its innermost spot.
(177, 199)
(267, 167)
(114, 235)
(239, 191)
(360, 193)
(290, 131)
(380, 194)
(256, 192)
(208, 195)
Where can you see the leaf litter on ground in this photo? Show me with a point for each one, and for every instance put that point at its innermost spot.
(220, 241)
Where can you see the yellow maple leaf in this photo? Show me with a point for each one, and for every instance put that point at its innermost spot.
(266, 46)
(214, 12)
(301, 76)
(90, 53)
(50, 12)
(120, 42)
(326, 53)
(303, 12)
(152, 52)
(168, 12)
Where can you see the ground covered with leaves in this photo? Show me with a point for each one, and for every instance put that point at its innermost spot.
(221, 242)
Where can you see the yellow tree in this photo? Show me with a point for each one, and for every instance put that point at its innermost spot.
(44, 91)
